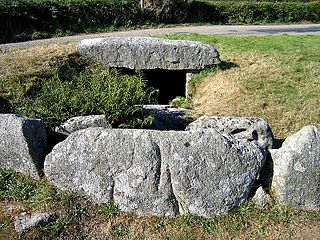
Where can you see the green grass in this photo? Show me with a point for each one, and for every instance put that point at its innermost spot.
(273, 77)
(78, 218)
(109, 209)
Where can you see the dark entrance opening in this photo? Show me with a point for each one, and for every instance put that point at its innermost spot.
(170, 83)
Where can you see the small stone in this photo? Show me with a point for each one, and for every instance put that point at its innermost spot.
(25, 222)
(82, 122)
(166, 117)
(261, 199)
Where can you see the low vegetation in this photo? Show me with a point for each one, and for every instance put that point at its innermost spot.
(24, 20)
(78, 218)
(72, 86)
(273, 77)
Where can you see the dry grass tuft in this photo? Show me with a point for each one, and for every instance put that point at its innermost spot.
(38, 58)
(225, 92)
(262, 87)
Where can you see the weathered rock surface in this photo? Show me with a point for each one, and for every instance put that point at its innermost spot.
(261, 199)
(82, 122)
(157, 172)
(296, 176)
(25, 222)
(255, 130)
(149, 53)
(166, 117)
(23, 144)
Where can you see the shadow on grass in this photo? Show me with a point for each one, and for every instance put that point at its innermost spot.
(5, 106)
(227, 65)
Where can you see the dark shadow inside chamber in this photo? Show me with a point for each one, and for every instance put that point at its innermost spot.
(170, 83)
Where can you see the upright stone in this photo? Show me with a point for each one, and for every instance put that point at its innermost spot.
(149, 53)
(296, 177)
(23, 144)
(161, 173)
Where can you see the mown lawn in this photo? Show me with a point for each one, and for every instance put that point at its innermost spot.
(276, 78)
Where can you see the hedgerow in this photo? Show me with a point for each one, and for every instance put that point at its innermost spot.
(259, 0)
(24, 20)
(255, 12)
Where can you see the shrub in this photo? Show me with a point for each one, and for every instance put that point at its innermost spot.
(254, 12)
(166, 11)
(23, 20)
(181, 102)
(74, 87)
(96, 90)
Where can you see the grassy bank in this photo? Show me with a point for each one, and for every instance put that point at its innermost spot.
(55, 83)
(274, 77)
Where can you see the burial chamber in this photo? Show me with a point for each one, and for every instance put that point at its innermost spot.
(168, 65)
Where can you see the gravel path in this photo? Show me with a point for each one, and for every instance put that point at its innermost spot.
(294, 29)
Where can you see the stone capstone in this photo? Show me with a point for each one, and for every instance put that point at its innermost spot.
(161, 173)
(23, 144)
(166, 117)
(149, 53)
(82, 122)
(296, 176)
(255, 130)
(25, 222)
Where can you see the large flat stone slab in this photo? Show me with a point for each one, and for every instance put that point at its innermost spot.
(161, 173)
(149, 53)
